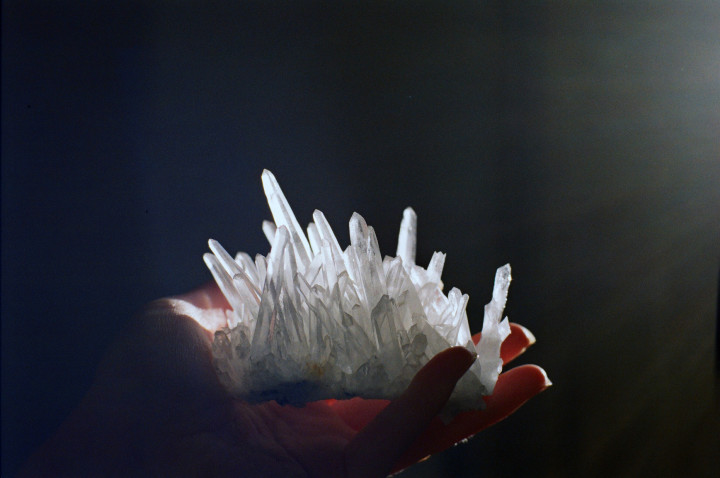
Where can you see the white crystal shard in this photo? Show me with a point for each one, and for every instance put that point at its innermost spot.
(284, 216)
(311, 321)
(407, 238)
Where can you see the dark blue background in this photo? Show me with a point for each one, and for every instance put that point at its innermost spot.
(578, 142)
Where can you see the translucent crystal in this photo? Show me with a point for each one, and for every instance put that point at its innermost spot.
(311, 321)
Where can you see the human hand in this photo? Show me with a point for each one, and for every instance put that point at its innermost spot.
(158, 409)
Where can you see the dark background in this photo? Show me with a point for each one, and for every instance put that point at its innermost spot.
(576, 140)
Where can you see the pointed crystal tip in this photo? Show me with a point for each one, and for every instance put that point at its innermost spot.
(407, 238)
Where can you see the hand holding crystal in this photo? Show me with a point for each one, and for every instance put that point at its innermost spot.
(254, 376)
(157, 408)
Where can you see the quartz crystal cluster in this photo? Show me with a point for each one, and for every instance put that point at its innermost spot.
(312, 321)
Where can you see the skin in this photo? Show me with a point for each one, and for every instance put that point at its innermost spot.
(157, 409)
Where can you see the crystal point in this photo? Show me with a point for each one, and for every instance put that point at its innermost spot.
(281, 211)
(407, 238)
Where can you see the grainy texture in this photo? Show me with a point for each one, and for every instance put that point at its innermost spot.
(579, 140)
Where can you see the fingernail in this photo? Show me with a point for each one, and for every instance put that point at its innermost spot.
(529, 335)
(548, 383)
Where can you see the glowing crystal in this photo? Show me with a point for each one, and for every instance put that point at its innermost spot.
(311, 321)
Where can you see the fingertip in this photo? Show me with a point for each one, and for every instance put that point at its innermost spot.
(528, 335)
(438, 377)
(516, 386)
(548, 383)
(454, 362)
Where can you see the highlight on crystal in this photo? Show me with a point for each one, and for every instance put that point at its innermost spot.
(312, 321)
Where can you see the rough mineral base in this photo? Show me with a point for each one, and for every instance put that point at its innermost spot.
(311, 321)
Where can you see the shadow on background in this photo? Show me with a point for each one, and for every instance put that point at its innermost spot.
(579, 142)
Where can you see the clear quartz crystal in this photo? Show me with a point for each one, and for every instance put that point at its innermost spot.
(311, 321)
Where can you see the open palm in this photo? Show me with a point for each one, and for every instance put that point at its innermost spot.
(158, 409)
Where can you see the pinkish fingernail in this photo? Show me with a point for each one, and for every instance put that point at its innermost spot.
(529, 335)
